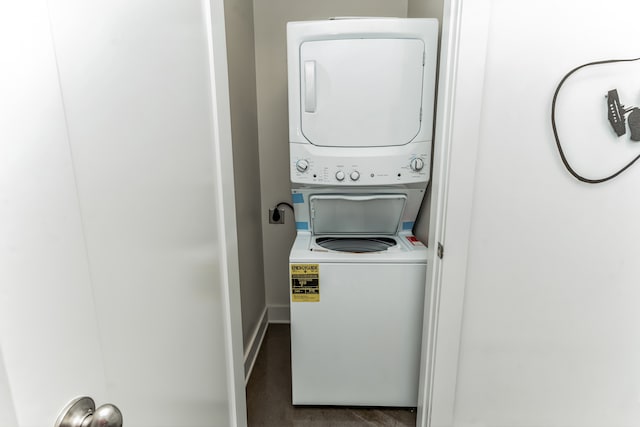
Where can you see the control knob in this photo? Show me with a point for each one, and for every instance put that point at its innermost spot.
(302, 165)
(355, 175)
(417, 164)
(340, 176)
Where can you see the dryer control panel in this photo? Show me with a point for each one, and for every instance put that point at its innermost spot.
(373, 166)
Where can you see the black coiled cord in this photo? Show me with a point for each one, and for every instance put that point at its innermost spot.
(555, 130)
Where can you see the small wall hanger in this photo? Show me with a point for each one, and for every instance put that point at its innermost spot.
(616, 114)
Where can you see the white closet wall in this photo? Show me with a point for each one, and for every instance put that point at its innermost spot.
(550, 323)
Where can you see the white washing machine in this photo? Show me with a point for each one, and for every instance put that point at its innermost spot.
(356, 303)
(361, 94)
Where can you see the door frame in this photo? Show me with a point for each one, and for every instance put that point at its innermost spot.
(463, 49)
(462, 59)
(225, 211)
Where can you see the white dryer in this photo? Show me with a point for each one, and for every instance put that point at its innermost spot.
(361, 96)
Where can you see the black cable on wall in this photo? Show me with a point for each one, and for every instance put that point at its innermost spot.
(555, 130)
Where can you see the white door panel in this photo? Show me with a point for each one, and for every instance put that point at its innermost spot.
(140, 132)
(352, 82)
(109, 250)
(7, 410)
(48, 331)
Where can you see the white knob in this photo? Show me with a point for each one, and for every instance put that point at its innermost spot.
(340, 175)
(355, 175)
(302, 165)
(417, 164)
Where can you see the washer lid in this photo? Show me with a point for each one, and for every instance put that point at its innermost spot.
(362, 214)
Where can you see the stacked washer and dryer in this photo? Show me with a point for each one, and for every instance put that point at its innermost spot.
(361, 99)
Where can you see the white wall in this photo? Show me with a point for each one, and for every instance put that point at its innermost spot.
(244, 121)
(550, 326)
(270, 42)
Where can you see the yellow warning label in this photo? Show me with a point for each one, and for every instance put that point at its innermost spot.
(305, 283)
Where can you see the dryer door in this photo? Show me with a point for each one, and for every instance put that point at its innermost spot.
(361, 92)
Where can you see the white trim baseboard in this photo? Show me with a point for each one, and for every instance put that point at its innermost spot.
(252, 350)
(270, 314)
(279, 314)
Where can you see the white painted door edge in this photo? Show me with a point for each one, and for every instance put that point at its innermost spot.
(213, 11)
(460, 89)
(448, 60)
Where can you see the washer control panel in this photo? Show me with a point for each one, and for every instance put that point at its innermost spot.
(375, 166)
